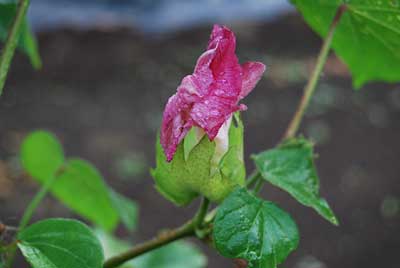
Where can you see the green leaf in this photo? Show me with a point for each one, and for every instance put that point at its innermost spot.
(42, 155)
(367, 37)
(60, 243)
(248, 228)
(126, 208)
(291, 168)
(179, 254)
(27, 41)
(78, 184)
(81, 187)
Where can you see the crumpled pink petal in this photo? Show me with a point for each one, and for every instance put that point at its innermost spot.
(209, 96)
(251, 74)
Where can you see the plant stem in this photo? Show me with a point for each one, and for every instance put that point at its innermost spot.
(188, 229)
(201, 213)
(12, 41)
(253, 178)
(160, 240)
(310, 87)
(309, 91)
(37, 199)
(258, 186)
(26, 217)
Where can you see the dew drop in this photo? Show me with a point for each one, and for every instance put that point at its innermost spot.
(252, 256)
(214, 112)
(219, 92)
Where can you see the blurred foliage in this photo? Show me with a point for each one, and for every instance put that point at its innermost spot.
(78, 184)
(27, 42)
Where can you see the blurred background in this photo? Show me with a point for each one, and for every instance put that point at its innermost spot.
(109, 67)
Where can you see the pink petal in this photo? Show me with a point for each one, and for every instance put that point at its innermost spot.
(209, 96)
(174, 126)
(251, 74)
(221, 101)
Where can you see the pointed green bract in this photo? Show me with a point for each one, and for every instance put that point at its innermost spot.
(291, 167)
(193, 173)
(27, 41)
(60, 243)
(247, 227)
(367, 37)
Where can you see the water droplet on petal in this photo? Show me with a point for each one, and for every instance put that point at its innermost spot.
(214, 112)
(219, 92)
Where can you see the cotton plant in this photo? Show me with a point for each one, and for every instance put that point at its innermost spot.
(199, 156)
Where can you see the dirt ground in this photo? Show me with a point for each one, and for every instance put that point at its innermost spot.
(102, 93)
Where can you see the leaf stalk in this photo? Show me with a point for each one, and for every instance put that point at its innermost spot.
(311, 85)
(12, 41)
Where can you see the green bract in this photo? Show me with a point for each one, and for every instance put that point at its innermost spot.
(197, 169)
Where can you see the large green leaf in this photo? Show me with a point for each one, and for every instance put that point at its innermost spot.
(179, 254)
(291, 167)
(78, 184)
(248, 228)
(367, 38)
(27, 41)
(60, 243)
(42, 155)
(81, 188)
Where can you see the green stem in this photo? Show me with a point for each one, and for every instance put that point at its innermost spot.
(313, 81)
(37, 199)
(258, 186)
(12, 41)
(160, 240)
(253, 178)
(188, 229)
(26, 217)
(201, 213)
